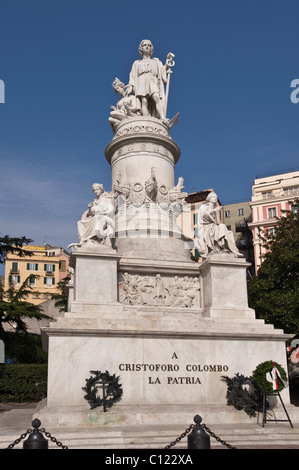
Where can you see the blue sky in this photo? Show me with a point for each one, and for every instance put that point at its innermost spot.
(235, 61)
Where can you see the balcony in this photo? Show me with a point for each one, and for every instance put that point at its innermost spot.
(284, 194)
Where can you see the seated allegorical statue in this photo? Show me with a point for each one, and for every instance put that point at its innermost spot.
(97, 222)
(213, 236)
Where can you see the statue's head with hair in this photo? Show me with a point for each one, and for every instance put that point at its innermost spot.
(142, 44)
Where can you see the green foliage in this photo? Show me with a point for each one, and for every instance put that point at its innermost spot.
(260, 373)
(242, 394)
(23, 382)
(274, 292)
(24, 348)
(13, 245)
(61, 299)
(14, 308)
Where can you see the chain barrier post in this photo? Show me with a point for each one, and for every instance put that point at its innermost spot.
(36, 440)
(198, 438)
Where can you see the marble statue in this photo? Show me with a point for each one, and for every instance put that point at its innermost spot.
(146, 94)
(213, 236)
(97, 222)
(125, 107)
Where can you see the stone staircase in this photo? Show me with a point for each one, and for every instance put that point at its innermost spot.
(273, 435)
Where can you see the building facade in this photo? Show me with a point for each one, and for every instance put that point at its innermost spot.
(271, 195)
(236, 216)
(45, 268)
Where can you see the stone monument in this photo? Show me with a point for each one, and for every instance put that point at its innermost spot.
(139, 307)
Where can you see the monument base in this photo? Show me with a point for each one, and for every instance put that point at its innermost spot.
(167, 333)
(150, 415)
(169, 358)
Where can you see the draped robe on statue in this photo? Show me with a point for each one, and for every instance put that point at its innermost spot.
(148, 77)
(213, 236)
(97, 221)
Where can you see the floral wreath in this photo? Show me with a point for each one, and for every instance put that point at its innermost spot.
(278, 375)
(112, 388)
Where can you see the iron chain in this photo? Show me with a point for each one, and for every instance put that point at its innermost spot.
(17, 441)
(53, 439)
(212, 434)
(43, 431)
(178, 439)
(229, 446)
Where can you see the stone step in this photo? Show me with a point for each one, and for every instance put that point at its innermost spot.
(252, 435)
(135, 324)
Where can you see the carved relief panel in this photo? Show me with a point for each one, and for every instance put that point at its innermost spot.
(178, 291)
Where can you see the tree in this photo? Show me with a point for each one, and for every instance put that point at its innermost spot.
(274, 291)
(13, 245)
(61, 299)
(14, 307)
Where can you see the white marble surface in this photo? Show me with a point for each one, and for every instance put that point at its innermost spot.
(95, 276)
(201, 360)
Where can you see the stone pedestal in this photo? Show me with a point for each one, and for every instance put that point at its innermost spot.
(95, 275)
(142, 156)
(169, 327)
(168, 351)
(140, 144)
(224, 286)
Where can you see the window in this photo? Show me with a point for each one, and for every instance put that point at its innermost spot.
(195, 218)
(271, 231)
(294, 209)
(240, 211)
(49, 281)
(229, 227)
(62, 266)
(15, 279)
(14, 267)
(227, 213)
(32, 267)
(266, 194)
(50, 268)
(271, 212)
(32, 280)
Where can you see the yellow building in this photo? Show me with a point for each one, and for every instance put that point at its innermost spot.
(46, 267)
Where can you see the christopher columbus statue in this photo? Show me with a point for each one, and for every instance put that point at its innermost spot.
(147, 79)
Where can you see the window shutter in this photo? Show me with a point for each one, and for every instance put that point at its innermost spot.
(53, 268)
(45, 267)
(19, 279)
(53, 281)
(28, 266)
(45, 280)
(36, 267)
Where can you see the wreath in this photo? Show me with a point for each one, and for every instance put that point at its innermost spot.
(243, 394)
(260, 373)
(111, 389)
